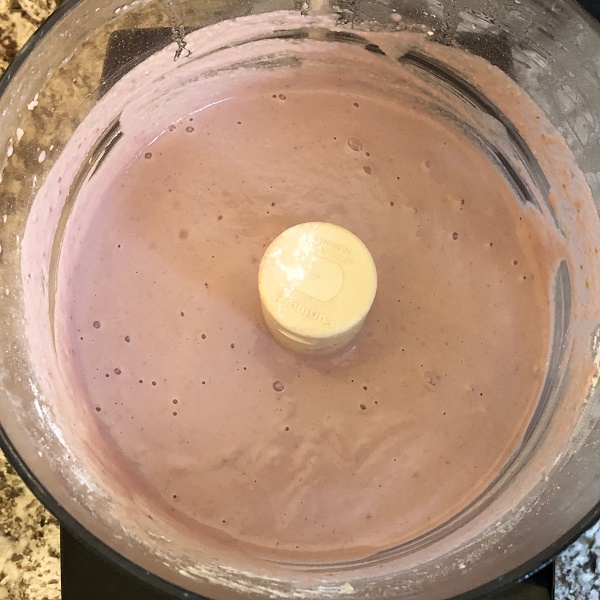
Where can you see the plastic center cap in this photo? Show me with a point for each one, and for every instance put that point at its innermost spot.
(317, 282)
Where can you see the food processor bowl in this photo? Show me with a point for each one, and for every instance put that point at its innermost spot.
(543, 497)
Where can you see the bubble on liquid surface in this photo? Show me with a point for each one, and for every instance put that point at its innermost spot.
(355, 144)
(278, 386)
(431, 379)
(96, 324)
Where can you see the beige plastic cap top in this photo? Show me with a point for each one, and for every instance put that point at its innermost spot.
(317, 282)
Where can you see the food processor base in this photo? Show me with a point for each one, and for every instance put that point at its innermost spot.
(85, 574)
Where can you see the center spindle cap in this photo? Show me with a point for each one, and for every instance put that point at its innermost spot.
(317, 282)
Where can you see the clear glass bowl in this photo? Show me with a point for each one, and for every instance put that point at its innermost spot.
(545, 496)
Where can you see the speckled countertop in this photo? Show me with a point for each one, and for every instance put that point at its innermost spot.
(29, 535)
(29, 543)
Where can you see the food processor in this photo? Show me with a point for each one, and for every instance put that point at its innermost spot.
(73, 73)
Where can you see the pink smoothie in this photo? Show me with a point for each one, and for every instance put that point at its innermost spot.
(229, 434)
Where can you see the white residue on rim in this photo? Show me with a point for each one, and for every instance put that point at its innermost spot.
(10, 149)
(126, 7)
(33, 103)
(86, 485)
(476, 21)
(160, 538)
(34, 388)
(42, 156)
(19, 134)
(270, 588)
(47, 420)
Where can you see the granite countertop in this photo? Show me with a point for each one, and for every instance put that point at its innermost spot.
(29, 535)
(29, 543)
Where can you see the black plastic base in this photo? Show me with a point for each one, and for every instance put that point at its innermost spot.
(86, 575)
(593, 6)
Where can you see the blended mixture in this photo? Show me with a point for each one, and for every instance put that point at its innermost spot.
(228, 433)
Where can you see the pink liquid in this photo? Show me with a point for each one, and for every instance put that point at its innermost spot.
(233, 436)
